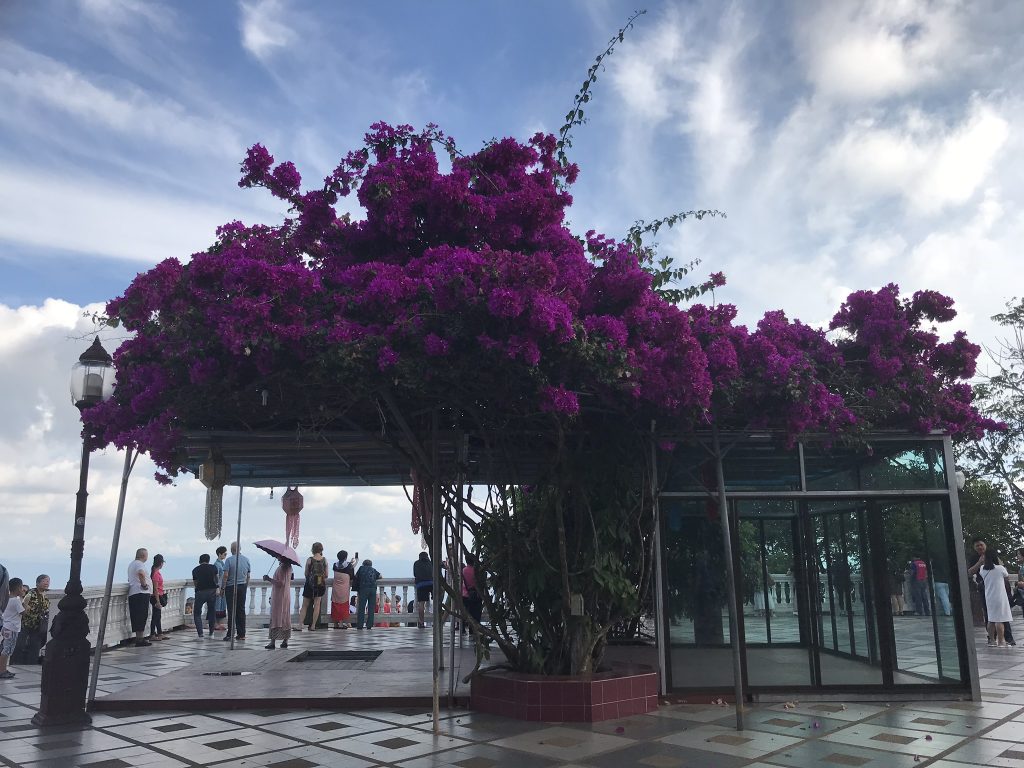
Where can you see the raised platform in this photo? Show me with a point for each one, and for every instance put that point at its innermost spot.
(622, 691)
(186, 673)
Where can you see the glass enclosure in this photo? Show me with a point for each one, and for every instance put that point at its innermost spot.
(845, 566)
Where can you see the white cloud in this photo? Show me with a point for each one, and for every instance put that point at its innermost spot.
(677, 76)
(32, 81)
(864, 51)
(927, 163)
(264, 27)
(40, 448)
(90, 215)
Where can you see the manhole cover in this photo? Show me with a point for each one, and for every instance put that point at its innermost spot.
(365, 657)
(227, 674)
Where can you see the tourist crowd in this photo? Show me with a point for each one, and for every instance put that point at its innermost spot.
(222, 586)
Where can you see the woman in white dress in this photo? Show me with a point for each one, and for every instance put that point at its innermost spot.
(998, 604)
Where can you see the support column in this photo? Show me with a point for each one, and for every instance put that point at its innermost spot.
(435, 536)
(966, 621)
(660, 617)
(233, 608)
(115, 541)
(734, 627)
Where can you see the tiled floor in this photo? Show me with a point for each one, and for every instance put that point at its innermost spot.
(940, 734)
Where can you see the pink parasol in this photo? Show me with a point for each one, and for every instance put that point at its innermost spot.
(277, 549)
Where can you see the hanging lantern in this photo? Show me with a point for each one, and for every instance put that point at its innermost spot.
(214, 475)
(420, 508)
(291, 503)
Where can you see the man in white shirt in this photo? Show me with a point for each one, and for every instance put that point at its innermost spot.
(140, 592)
(236, 586)
(10, 626)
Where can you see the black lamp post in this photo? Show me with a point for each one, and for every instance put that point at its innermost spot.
(66, 664)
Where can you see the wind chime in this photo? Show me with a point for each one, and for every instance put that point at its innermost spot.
(292, 503)
(214, 475)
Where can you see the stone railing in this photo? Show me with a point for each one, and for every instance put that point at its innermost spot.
(782, 594)
(257, 605)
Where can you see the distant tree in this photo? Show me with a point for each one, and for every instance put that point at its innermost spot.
(999, 455)
(987, 510)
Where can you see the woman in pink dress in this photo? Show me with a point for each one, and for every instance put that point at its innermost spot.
(280, 604)
(341, 590)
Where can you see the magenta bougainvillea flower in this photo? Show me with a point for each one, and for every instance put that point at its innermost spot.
(463, 286)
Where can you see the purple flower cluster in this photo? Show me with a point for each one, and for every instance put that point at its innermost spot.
(466, 288)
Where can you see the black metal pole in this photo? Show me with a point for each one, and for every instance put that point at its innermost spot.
(65, 678)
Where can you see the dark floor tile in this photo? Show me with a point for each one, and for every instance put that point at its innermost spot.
(656, 754)
(395, 743)
(296, 762)
(172, 727)
(328, 726)
(46, 746)
(227, 744)
(108, 764)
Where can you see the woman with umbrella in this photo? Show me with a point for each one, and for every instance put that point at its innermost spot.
(280, 592)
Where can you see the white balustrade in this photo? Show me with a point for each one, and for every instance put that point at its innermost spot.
(180, 590)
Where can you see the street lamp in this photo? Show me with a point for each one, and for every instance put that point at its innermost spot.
(66, 663)
(961, 479)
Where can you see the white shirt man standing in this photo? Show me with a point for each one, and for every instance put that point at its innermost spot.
(140, 592)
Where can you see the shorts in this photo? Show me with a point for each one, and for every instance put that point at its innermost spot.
(313, 591)
(8, 639)
(423, 594)
(138, 610)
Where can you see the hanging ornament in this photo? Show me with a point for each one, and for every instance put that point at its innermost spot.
(420, 508)
(291, 503)
(214, 475)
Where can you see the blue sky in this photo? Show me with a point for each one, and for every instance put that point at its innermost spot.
(852, 143)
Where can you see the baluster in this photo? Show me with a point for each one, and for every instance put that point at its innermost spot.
(263, 601)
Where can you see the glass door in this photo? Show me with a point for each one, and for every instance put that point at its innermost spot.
(770, 584)
(842, 564)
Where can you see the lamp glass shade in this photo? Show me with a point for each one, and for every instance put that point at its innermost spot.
(92, 382)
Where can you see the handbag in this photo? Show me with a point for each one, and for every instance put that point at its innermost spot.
(163, 600)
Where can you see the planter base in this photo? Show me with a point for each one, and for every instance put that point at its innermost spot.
(622, 691)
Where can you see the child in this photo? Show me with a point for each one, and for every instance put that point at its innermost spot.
(11, 626)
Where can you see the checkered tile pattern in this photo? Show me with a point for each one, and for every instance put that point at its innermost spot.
(941, 734)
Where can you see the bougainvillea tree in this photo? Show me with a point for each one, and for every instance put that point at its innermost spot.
(460, 291)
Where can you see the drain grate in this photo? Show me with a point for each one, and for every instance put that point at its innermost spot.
(366, 657)
(227, 674)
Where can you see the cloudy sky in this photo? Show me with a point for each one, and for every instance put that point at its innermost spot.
(850, 143)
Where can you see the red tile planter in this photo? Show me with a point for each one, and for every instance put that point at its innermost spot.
(619, 692)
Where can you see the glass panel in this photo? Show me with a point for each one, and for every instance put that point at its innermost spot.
(689, 468)
(884, 465)
(944, 583)
(695, 577)
(761, 466)
(926, 645)
(752, 466)
(775, 639)
(845, 618)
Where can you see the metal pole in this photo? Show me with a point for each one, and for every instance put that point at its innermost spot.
(115, 541)
(435, 522)
(238, 553)
(457, 575)
(965, 619)
(660, 620)
(734, 634)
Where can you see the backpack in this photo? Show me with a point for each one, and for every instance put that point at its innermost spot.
(318, 572)
(366, 577)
